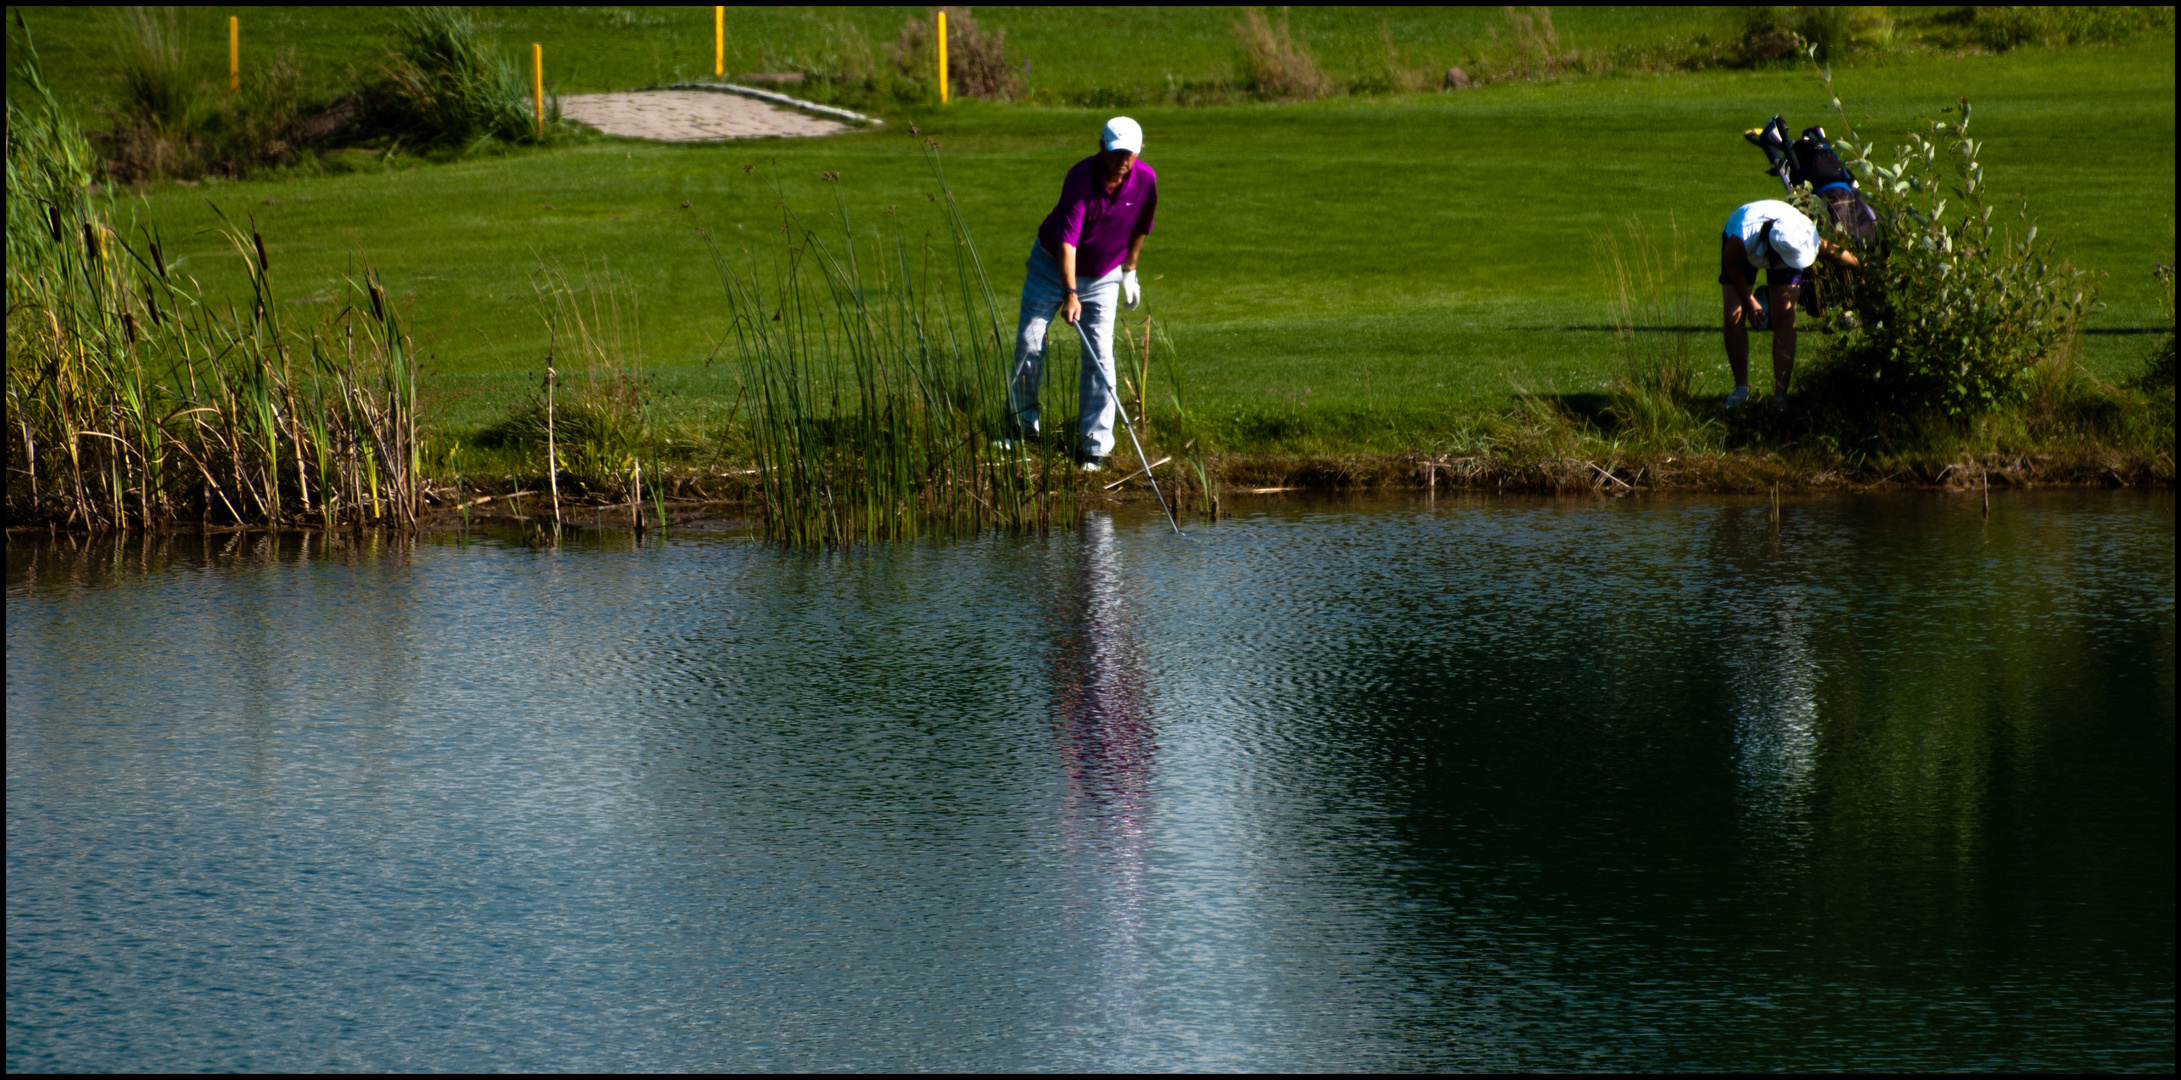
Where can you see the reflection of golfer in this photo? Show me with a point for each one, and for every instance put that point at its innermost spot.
(1772, 236)
(1085, 258)
(1108, 750)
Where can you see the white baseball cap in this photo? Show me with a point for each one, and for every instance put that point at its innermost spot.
(1795, 238)
(1122, 133)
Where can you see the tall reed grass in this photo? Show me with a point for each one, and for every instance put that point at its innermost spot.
(1196, 482)
(875, 370)
(169, 124)
(156, 84)
(1656, 321)
(1272, 64)
(446, 81)
(132, 402)
(442, 83)
(590, 421)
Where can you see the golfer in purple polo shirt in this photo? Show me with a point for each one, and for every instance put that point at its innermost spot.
(1082, 265)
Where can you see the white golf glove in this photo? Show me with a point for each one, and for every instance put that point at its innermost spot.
(1132, 291)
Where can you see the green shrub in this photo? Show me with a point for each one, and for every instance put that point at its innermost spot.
(1952, 310)
(2159, 372)
(1827, 29)
(1779, 33)
(275, 120)
(445, 83)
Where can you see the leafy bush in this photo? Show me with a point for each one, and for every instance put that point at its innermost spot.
(1273, 65)
(2159, 372)
(1952, 309)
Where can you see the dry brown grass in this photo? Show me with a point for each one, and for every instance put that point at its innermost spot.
(1273, 65)
(977, 62)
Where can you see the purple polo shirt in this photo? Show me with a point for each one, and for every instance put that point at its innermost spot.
(1100, 225)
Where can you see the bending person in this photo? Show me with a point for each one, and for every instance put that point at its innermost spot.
(1771, 236)
(1084, 261)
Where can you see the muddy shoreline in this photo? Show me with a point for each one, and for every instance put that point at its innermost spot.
(728, 498)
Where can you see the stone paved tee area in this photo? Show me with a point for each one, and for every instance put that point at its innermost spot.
(692, 116)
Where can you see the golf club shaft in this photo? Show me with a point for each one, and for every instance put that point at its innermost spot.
(1091, 354)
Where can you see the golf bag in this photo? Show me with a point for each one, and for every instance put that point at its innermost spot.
(1810, 160)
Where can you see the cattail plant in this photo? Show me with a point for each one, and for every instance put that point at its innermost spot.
(133, 401)
(876, 375)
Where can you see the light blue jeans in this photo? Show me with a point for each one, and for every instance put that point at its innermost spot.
(1042, 296)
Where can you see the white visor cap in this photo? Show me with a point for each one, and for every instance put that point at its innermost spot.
(1795, 238)
(1122, 133)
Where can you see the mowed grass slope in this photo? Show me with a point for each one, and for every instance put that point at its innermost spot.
(1069, 50)
(1362, 267)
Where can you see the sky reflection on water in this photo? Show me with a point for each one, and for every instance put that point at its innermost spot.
(1485, 784)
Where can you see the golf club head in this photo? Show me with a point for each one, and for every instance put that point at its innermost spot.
(1090, 356)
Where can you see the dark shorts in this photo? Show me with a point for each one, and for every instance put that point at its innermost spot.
(1789, 278)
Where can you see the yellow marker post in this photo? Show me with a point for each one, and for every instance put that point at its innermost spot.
(537, 83)
(719, 42)
(942, 58)
(234, 55)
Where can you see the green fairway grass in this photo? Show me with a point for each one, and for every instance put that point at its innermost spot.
(1070, 50)
(1347, 273)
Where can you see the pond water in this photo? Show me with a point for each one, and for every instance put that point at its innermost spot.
(1475, 784)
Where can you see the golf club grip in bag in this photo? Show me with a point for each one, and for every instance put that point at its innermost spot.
(1772, 139)
(1822, 169)
(1811, 160)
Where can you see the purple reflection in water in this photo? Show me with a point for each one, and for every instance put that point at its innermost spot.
(1107, 743)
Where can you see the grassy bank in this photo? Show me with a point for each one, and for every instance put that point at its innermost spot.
(1103, 56)
(1345, 272)
(1352, 288)
(1071, 53)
